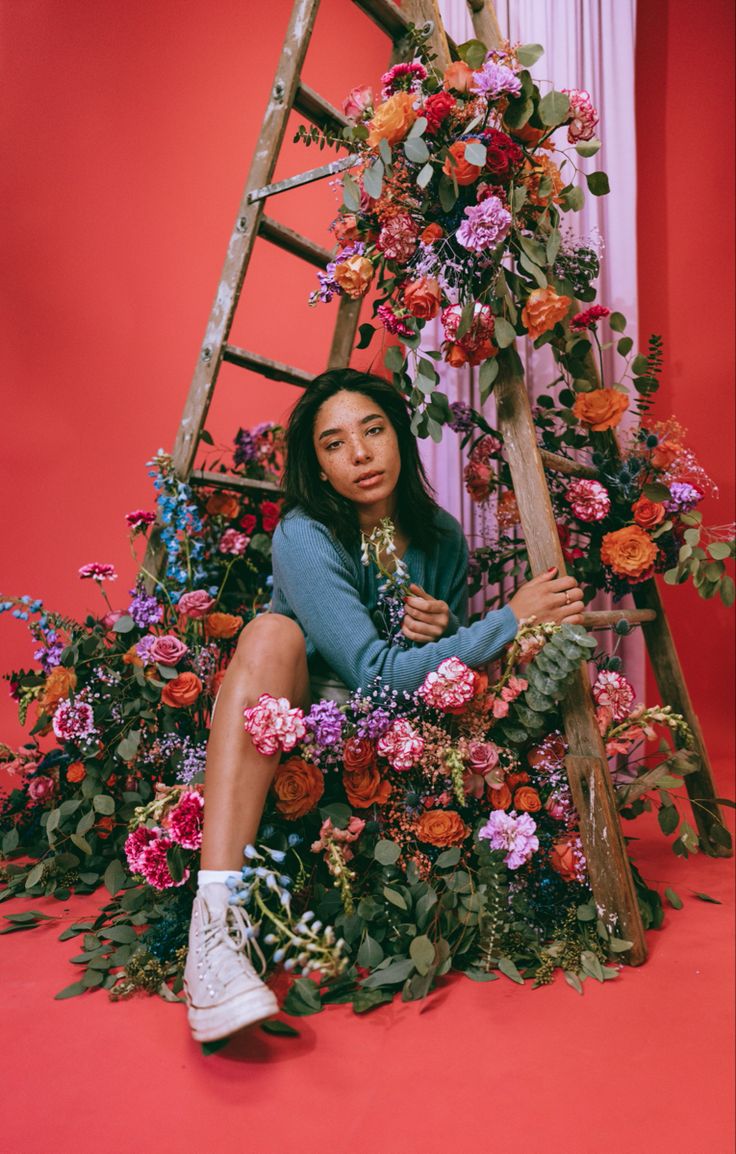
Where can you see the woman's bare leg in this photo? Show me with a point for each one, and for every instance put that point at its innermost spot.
(270, 658)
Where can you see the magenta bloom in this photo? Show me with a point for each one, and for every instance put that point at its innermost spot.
(494, 80)
(184, 823)
(233, 542)
(74, 720)
(486, 225)
(167, 650)
(41, 788)
(450, 686)
(589, 317)
(516, 833)
(274, 725)
(153, 866)
(589, 500)
(584, 115)
(401, 745)
(98, 572)
(403, 78)
(135, 843)
(613, 691)
(139, 519)
(391, 322)
(195, 605)
(397, 239)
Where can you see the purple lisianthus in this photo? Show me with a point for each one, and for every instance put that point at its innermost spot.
(513, 832)
(485, 226)
(494, 80)
(683, 497)
(143, 609)
(325, 722)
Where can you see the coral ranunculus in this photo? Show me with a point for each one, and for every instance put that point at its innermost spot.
(601, 408)
(223, 625)
(630, 552)
(354, 275)
(543, 310)
(223, 505)
(648, 514)
(392, 119)
(441, 827)
(365, 786)
(422, 297)
(457, 166)
(181, 691)
(298, 786)
(57, 685)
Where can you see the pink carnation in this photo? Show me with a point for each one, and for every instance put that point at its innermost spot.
(401, 745)
(448, 687)
(614, 692)
(135, 843)
(398, 238)
(138, 519)
(184, 822)
(274, 725)
(584, 115)
(515, 833)
(485, 225)
(74, 720)
(589, 317)
(233, 542)
(167, 650)
(589, 500)
(153, 866)
(98, 572)
(41, 788)
(195, 605)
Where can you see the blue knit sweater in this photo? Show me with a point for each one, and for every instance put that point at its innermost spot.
(332, 596)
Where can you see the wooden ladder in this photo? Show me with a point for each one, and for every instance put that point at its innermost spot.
(587, 765)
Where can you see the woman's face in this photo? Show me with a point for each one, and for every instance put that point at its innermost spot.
(358, 452)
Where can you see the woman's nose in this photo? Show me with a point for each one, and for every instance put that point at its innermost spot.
(361, 451)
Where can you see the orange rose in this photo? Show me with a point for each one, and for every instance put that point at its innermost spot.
(346, 228)
(543, 310)
(463, 172)
(223, 505)
(76, 772)
(601, 408)
(527, 799)
(441, 827)
(533, 175)
(514, 779)
(562, 858)
(630, 552)
(422, 297)
(359, 753)
(104, 826)
(354, 275)
(665, 453)
(458, 76)
(499, 798)
(648, 514)
(392, 119)
(57, 685)
(365, 786)
(531, 136)
(130, 657)
(182, 691)
(298, 786)
(222, 625)
(431, 233)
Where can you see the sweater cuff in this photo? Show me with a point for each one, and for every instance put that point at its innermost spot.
(505, 622)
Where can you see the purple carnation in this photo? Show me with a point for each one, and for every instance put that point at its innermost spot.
(144, 610)
(374, 725)
(513, 832)
(462, 418)
(683, 497)
(325, 722)
(485, 226)
(494, 80)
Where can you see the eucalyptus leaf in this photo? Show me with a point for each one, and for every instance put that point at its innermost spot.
(509, 970)
(503, 333)
(587, 147)
(554, 108)
(387, 852)
(486, 378)
(350, 193)
(415, 149)
(421, 951)
(528, 54)
(598, 183)
(393, 974)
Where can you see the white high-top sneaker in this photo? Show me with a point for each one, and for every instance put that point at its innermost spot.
(222, 989)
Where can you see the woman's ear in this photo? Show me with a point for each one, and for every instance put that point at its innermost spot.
(323, 476)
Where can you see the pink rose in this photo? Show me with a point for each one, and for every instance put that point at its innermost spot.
(358, 101)
(41, 788)
(168, 650)
(233, 542)
(556, 807)
(196, 604)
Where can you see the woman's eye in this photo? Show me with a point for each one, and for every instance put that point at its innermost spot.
(333, 445)
(375, 429)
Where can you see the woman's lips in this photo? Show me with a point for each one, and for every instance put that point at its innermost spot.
(369, 479)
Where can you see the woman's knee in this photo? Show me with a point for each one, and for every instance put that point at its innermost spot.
(273, 633)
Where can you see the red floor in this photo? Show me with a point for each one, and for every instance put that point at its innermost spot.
(642, 1065)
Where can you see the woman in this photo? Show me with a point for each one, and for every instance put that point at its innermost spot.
(351, 460)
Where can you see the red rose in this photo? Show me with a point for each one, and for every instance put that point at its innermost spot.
(503, 156)
(247, 523)
(436, 109)
(270, 512)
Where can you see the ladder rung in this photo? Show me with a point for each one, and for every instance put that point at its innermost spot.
(274, 370)
(310, 104)
(386, 15)
(293, 242)
(607, 618)
(558, 464)
(231, 481)
(303, 178)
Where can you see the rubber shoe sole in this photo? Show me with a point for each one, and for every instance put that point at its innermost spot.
(210, 1023)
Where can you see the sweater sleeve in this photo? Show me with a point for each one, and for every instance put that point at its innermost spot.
(457, 594)
(315, 575)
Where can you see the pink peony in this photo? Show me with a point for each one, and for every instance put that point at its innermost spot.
(195, 605)
(167, 650)
(135, 843)
(515, 833)
(41, 788)
(448, 687)
(98, 572)
(139, 519)
(584, 115)
(233, 542)
(274, 725)
(358, 102)
(74, 720)
(398, 238)
(153, 866)
(612, 691)
(184, 822)
(589, 500)
(401, 745)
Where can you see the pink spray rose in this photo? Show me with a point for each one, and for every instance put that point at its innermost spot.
(168, 650)
(195, 605)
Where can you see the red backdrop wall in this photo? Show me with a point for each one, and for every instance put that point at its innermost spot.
(129, 130)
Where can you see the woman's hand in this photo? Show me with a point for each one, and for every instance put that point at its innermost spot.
(549, 598)
(425, 619)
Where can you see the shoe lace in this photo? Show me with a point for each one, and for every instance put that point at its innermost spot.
(236, 935)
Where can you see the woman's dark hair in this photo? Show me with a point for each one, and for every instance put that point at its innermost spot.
(415, 504)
